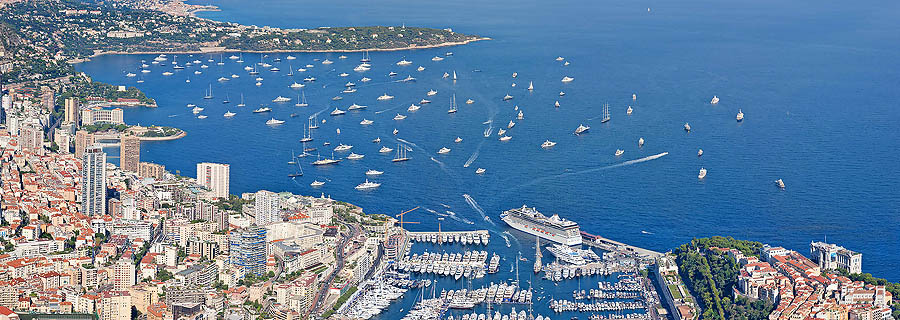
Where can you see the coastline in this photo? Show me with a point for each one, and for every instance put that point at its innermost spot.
(225, 50)
(169, 138)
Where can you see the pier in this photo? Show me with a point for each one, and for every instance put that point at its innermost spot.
(476, 237)
(618, 247)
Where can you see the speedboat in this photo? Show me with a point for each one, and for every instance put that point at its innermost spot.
(373, 172)
(356, 107)
(354, 156)
(699, 152)
(581, 129)
(501, 132)
(740, 116)
(714, 100)
(521, 115)
(274, 121)
(702, 173)
(444, 150)
(343, 147)
(317, 183)
(515, 74)
(385, 97)
(507, 97)
(399, 117)
(262, 109)
(567, 79)
(431, 92)
(687, 127)
(424, 101)
(420, 69)
(505, 138)
(385, 149)
(229, 114)
(364, 79)
(548, 144)
(629, 110)
(562, 93)
(367, 185)
(510, 124)
(366, 122)
(556, 104)
(470, 101)
(479, 171)
(457, 140)
(404, 62)
(619, 152)
(436, 59)
(413, 108)
(338, 112)
(641, 142)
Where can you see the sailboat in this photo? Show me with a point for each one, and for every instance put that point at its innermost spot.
(307, 133)
(290, 70)
(292, 161)
(301, 100)
(315, 123)
(453, 106)
(242, 101)
(208, 93)
(605, 113)
(454, 75)
(226, 101)
(530, 86)
(401, 154)
(365, 57)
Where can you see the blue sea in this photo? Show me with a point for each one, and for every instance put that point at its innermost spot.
(817, 81)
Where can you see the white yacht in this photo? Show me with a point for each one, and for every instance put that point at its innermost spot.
(501, 132)
(367, 185)
(457, 140)
(520, 116)
(548, 144)
(470, 101)
(562, 93)
(343, 147)
(408, 79)
(479, 171)
(699, 152)
(702, 173)
(290, 57)
(309, 79)
(130, 75)
(317, 183)
(581, 129)
(364, 79)
(445, 76)
(687, 127)
(507, 97)
(349, 90)
(404, 62)
(198, 72)
(436, 59)
(355, 156)
(385, 149)
(234, 76)
(366, 122)
(619, 152)
(399, 117)
(296, 85)
(431, 92)
(510, 124)
(567, 79)
(229, 114)
(222, 79)
(262, 109)
(167, 73)
(629, 111)
(391, 74)
(420, 69)
(281, 99)
(413, 108)
(338, 112)
(327, 62)
(505, 138)
(424, 101)
(145, 71)
(361, 69)
(715, 100)
(779, 183)
(385, 97)
(641, 142)
(349, 84)
(356, 107)
(444, 150)
(395, 131)
(560, 58)
(258, 84)
(376, 140)
(740, 116)
(530, 86)
(634, 96)
(373, 172)
(274, 121)
(201, 117)
(197, 110)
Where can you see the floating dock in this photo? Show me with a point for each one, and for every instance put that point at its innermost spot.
(618, 247)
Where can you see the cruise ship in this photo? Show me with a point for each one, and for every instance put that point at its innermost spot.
(552, 228)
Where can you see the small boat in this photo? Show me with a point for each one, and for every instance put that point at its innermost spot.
(336, 98)
(259, 79)
(317, 183)
(779, 183)
(349, 84)
(699, 152)
(349, 90)
(634, 97)
(338, 112)
(361, 69)
(201, 117)
(191, 105)
(354, 156)
(408, 79)
(376, 140)
(391, 74)
(454, 75)
(290, 57)
(548, 144)
(395, 131)
(373, 172)
(258, 84)
(560, 58)
(431, 92)
(556, 104)
(309, 79)
(444, 150)
(515, 74)
(629, 111)
(364, 79)
(702, 173)
(510, 124)
(436, 59)
(399, 117)
(262, 109)
(222, 79)
(445, 76)
(501, 132)
(530, 86)
(385, 97)
(413, 108)
(197, 110)
(687, 127)
(130, 75)
(513, 85)
(342, 57)
(234, 76)
(167, 73)
(343, 147)
(470, 101)
(367, 185)
(325, 161)
(457, 140)
(198, 72)
(479, 171)
(505, 138)
(420, 69)
(356, 107)
(366, 122)
(507, 97)
(641, 142)
(715, 100)
(581, 129)
(327, 62)
(424, 101)
(566, 63)
(274, 121)
(740, 116)
(567, 79)
(619, 152)
(385, 149)
(145, 71)
(229, 114)
(404, 62)
(520, 116)
(562, 93)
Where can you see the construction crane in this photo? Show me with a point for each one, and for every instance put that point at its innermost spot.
(404, 213)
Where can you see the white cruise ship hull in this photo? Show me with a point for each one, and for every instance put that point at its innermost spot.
(538, 230)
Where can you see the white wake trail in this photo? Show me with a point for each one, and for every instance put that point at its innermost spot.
(621, 164)
(477, 208)
(471, 159)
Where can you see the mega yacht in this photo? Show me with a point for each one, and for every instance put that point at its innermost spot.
(361, 69)
(566, 254)
(702, 173)
(444, 150)
(553, 228)
(229, 114)
(317, 183)
(399, 117)
(385, 97)
(413, 108)
(581, 129)
(343, 147)
(338, 112)
(355, 156)
(401, 154)
(349, 90)
(274, 121)
(548, 144)
(367, 185)
(366, 122)
(385, 149)
(281, 99)
(373, 172)
(715, 100)
(567, 79)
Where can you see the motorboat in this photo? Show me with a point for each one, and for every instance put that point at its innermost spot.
(262, 109)
(444, 150)
(548, 144)
(699, 152)
(457, 140)
(385, 97)
(715, 100)
(229, 114)
(356, 107)
(507, 97)
(404, 62)
(641, 142)
(629, 111)
(505, 138)
(436, 59)
(567, 79)
(619, 152)
(355, 156)
(317, 183)
(274, 121)
(373, 172)
(337, 112)
(431, 92)
(479, 171)
(367, 185)
(342, 147)
(281, 99)
(779, 183)
(399, 117)
(470, 101)
(581, 129)
(296, 85)
(740, 116)
(413, 108)
(366, 122)
(385, 149)
(687, 127)
(702, 173)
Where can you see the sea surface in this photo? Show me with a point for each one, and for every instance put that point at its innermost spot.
(818, 82)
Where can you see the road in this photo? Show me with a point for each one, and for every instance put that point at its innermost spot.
(339, 264)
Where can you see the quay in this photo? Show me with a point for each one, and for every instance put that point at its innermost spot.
(618, 247)
(464, 237)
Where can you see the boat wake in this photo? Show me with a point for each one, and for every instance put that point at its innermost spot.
(621, 164)
(471, 159)
(478, 208)
(452, 215)
(488, 122)
(312, 116)
(445, 206)
(409, 143)
(506, 238)
(385, 110)
(506, 235)
(488, 131)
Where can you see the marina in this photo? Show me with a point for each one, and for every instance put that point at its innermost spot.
(476, 237)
